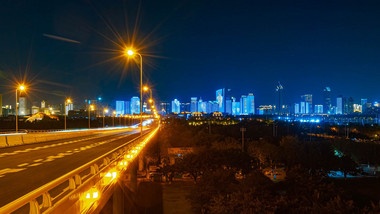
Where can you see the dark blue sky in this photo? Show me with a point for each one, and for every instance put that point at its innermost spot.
(197, 47)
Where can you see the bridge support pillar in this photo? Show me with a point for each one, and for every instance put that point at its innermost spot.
(118, 200)
(141, 161)
(133, 176)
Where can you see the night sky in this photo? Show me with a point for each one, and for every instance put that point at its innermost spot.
(191, 48)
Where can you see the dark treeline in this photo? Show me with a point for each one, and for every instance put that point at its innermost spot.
(229, 180)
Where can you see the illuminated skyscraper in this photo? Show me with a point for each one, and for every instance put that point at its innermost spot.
(194, 104)
(303, 108)
(120, 107)
(339, 104)
(327, 100)
(127, 106)
(308, 99)
(215, 106)
(279, 90)
(296, 108)
(364, 105)
(229, 106)
(22, 106)
(220, 99)
(135, 105)
(69, 107)
(176, 106)
(165, 108)
(209, 106)
(318, 109)
(243, 105)
(350, 106)
(202, 106)
(235, 107)
(184, 107)
(251, 103)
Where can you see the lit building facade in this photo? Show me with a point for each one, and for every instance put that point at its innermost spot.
(120, 107)
(194, 104)
(135, 105)
(318, 109)
(244, 105)
(220, 99)
(176, 106)
(251, 103)
(339, 104)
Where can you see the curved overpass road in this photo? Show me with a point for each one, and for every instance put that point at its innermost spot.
(27, 167)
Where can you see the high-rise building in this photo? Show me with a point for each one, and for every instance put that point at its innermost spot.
(209, 105)
(296, 108)
(184, 107)
(1, 105)
(244, 105)
(308, 99)
(22, 107)
(303, 108)
(364, 105)
(357, 108)
(279, 90)
(127, 107)
(318, 109)
(327, 100)
(350, 105)
(135, 105)
(43, 104)
(165, 108)
(229, 106)
(176, 106)
(251, 103)
(235, 107)
(36, 109)
(194, 104)
(339, 104)
(69, 107)
(220, 99)
(202, 106)
(215, 106)
(120, 107)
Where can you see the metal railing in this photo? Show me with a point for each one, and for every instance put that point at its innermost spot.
(79, 189)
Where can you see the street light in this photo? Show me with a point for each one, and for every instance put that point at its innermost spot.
(130, 52)
(20, 88)
(113, 118)
(90, 108)
(68, 101)
(105, 111)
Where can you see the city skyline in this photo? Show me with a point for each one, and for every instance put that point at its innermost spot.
(59, 56)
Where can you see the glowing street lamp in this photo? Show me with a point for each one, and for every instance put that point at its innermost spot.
(67, 101)
(104, 111)
(20, 88)
(90, 108)
(130, 52)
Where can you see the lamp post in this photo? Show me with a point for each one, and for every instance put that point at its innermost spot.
(68, 101)
(21, 88)
(104, 111)
(131, 53)
(90, 108)
(113, 118)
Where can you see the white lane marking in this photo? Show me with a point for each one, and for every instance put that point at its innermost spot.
(10, 170)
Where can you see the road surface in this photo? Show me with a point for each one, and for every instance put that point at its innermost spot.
(27, 167)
